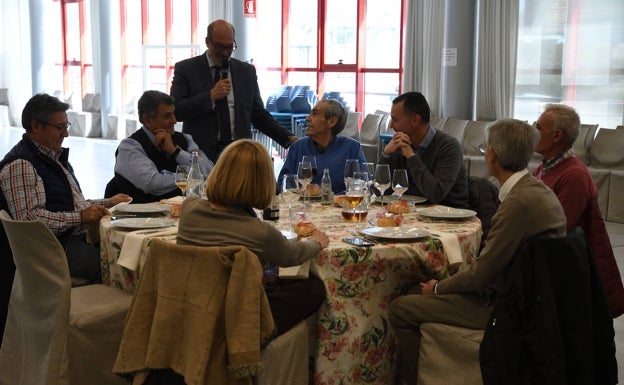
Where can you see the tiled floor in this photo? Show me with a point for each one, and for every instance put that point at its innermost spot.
(93, 161)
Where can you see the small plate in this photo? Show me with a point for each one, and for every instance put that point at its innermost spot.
(140, 208)
(143, 223)
(311, 196)
(395, 233)
(414, 199)
(443, 212)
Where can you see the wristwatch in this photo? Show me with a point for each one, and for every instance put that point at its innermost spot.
(177, 151)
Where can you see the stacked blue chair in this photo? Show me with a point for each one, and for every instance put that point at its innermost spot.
(299, 103)
(271, 105)
(283, 100)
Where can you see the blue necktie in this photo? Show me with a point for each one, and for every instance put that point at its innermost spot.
(223, 113)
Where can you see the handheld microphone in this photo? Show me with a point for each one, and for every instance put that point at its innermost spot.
(225, 65)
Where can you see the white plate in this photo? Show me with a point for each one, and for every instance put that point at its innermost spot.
(143, 223)
(415, 199)
(140, 208)
(443, 212)
(311, 196)
(395, 233)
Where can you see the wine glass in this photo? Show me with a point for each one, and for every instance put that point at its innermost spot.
(399, 181)
(290, 194)
(304, 176)
(370, 169)
(181, 177)
(363, 176)
(312, 160)
(351, 166)
(381, 179)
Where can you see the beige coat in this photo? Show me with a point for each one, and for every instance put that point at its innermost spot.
(200, 311)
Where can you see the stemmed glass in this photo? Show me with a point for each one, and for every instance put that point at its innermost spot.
(363, 176)
(351, 166)
(304, 175)
(312, 160)
(399, 181)
(181, 177)
(370, 169)
(382, 179)
(290, 194)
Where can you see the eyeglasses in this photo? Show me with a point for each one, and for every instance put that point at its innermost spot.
(221, 47)
(483, 148)
(60, 127)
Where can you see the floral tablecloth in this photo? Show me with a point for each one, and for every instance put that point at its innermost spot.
(355, 342)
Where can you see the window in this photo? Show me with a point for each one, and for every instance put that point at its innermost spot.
(349, 46)
(571, 52)
(156, 35)
(75, 58)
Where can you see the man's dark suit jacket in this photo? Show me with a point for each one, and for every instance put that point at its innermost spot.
(190, 89)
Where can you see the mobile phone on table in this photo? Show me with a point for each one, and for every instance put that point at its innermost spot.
(356, 241)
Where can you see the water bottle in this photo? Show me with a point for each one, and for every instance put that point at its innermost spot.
(195, 181)
(271, 213)
(326, 188)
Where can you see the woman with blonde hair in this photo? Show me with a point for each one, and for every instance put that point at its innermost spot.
(242, 180)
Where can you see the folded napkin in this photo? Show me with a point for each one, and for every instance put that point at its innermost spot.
(130, 253)
(112, 209)
(173, 201)
(295, 272)
(450, 244)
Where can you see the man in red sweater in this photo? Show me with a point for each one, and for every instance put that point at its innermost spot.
(569, 178)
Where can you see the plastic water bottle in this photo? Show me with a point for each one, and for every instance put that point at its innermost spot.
(195, 181)
(326, 188)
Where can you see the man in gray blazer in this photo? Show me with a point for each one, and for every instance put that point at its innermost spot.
(528, 209)
(214, 92)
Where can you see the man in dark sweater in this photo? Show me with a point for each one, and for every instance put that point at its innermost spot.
(145, 163)
(433, 159)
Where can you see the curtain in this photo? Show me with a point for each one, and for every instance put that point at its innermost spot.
(424, 39)
(497, 40)
(15, 55)
(221, 9)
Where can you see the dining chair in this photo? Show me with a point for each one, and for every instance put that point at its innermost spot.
(56, 334)
(438, 122)
(583, 141)
(88, 122)
(201, 312)
(449, 355)
(369, 136)
(537, 333)
(605, 156)
(456, 128)
(351, 126)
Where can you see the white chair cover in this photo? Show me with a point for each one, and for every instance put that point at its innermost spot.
(449, 355)
(55, 334)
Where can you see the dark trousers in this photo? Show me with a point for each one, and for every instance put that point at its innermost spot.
(83, 260)
(293, 300)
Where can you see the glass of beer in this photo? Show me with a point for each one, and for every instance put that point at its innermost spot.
(353, 208)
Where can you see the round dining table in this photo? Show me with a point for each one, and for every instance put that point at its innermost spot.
(354, 341)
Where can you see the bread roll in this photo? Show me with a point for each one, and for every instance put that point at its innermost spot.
(304, 229)
(399, 207)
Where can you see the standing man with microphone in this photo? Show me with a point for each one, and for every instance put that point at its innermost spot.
(217, 97)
